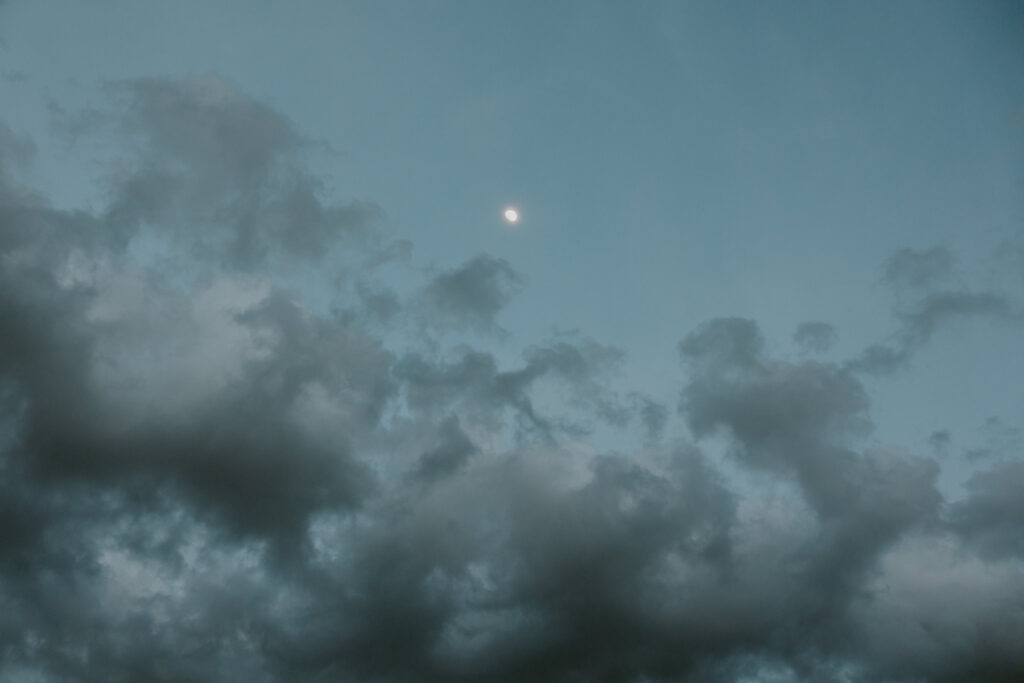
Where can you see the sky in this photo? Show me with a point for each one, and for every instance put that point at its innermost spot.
(284, 398)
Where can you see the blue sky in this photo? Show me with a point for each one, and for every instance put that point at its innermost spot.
(675, 163)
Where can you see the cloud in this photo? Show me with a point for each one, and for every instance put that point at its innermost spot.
(15, 151)
(653, 415)
(1009, 257)
(221, 174)
(453, 450)
(919, 324)
(472, 382)
(914, 269)
(993, 514)
(915, 276)
(206, 475)
(800, 422)
(815, 337)
(471, 295)
(939, 440)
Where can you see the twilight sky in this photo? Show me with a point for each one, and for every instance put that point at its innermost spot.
(739, 399)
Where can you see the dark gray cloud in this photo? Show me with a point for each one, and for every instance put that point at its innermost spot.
(797, 420)
(920, 322)
(939, 440)
(653, 415)
(452, 451)
(471, 295)
(993, 514)
(205, 476)
(15, 151)
(377, 303)
(998, 441)
(1009, 256)
(473, 382)
(815, 337)
(222, 174)
(924, 308)
(915, 269)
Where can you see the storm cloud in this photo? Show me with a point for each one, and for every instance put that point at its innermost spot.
(208, 475)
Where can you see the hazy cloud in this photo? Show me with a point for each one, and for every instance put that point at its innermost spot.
(15, 151)
(924, 309)
(939, 440)
(815, 337)
(912, 268)
(471, 295)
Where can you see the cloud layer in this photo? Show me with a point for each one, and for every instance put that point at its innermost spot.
(208, 474)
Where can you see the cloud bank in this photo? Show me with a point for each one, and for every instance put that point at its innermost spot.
(207, 475)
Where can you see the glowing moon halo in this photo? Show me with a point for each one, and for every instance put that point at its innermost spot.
(511, 215)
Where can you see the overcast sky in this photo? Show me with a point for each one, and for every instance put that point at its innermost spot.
(284, 398)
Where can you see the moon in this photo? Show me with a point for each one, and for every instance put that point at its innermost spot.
(511, 215)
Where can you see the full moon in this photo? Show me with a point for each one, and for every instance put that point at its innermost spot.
(511, 215)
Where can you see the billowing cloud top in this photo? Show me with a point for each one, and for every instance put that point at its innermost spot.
(208, 474)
